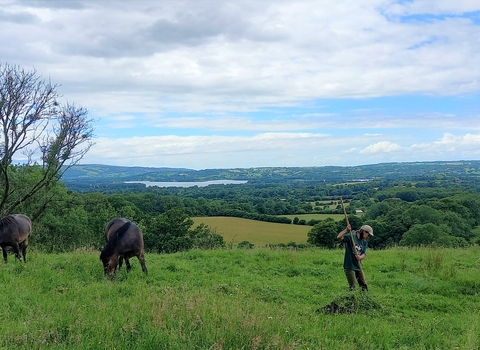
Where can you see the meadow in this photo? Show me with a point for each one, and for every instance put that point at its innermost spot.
(421, 298)
(261, 233)
(235, 230)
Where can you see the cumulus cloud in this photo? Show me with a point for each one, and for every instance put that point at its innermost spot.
(381, 147)
(275, 149)
(271, 50)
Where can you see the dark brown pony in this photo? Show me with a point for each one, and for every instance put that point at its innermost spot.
(124, 240)
(14, 232)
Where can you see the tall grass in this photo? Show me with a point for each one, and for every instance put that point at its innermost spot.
(242, 299)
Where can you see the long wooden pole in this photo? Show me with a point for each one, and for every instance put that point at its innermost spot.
(354, 247)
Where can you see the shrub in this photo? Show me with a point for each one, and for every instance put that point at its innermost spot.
(245, 245)
(324, 234)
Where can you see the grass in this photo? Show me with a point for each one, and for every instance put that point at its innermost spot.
(242, 299)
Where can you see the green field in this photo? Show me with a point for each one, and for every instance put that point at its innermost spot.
(235, 230)
(243, 299)
(308, 217)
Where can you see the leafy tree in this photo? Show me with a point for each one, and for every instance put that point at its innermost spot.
(394, 219)
(99, 209)
(204, 238)
(124, 208)
(324, 234)
(377, 210)
(38, 131)
(169, 232)
(66, 232)
(72, 221)
(426, 234)
(471, 201)
(458, 227)
(382, 238)
(354, 220)
(421, 214)
(408, 196)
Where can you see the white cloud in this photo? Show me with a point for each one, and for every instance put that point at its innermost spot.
(382, 147)
(223, 54)
(275, 149)
(198, 151)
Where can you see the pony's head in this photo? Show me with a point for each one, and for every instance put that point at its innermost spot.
(109, 262)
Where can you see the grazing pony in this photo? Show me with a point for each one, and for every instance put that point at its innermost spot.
(14, 232)
(124, 240)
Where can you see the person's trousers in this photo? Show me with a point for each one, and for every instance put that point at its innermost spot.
(354, 277)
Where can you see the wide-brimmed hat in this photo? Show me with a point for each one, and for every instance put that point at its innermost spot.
(368, 229)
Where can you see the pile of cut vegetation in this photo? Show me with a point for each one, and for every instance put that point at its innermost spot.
(353, 302)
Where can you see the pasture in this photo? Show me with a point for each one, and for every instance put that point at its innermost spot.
(242, 299)
(308, 217)
(235, 230)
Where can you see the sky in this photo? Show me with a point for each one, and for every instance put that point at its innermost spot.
(209, 84)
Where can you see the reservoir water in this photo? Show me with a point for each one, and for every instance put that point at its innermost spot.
(188, 184)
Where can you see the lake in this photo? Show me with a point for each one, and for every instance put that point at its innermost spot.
(188, 184)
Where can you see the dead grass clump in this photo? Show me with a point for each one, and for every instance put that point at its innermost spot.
(353, 302)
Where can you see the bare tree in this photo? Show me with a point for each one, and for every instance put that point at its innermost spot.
(38, 134)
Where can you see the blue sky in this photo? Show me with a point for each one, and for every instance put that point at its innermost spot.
(232, 84)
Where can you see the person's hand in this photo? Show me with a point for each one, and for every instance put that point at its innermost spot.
(349, 227)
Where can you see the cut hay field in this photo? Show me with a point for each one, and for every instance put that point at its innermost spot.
(243, 299)
(235, 230)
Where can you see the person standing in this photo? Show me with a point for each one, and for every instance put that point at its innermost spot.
(353, 258)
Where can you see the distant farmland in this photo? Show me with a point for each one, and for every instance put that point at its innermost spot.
(260, 233)
(308, 217)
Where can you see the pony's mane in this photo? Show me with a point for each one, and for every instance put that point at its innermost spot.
(112, 242)
(7, 221)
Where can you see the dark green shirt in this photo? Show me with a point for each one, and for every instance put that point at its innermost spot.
(350, 262)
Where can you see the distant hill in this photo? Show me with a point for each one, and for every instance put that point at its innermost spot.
(89, 175)
(102, 172)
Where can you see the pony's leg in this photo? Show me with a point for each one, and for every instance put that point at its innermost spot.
(141, 258)
(23, 247)
(4, 251)
(127, 264)
(120, 262)
(16, 249)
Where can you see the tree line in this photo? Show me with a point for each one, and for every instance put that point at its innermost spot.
(449, 222)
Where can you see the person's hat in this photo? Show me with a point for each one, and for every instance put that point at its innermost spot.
(367, 229)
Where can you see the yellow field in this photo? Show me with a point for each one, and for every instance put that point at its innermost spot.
(259, 233)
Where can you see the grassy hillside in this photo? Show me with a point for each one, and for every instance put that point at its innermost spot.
(243, 299)
(260, 233)
(329, 174)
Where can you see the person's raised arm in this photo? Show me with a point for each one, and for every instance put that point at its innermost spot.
(344, 232)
